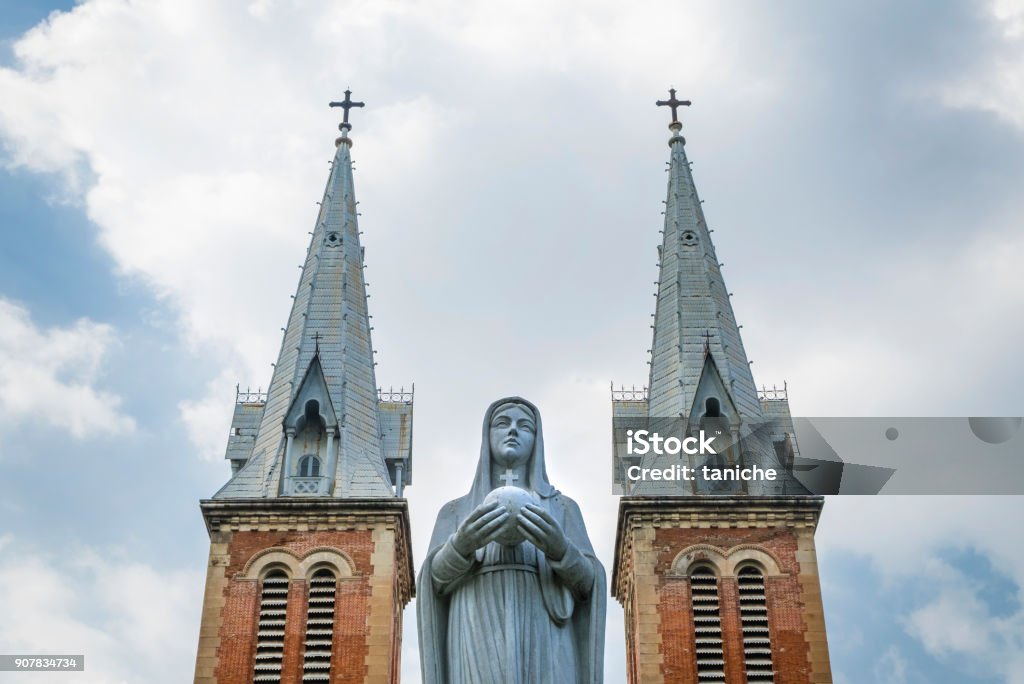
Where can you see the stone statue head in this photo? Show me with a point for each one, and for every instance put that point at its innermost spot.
(513, 431)
(518, 419)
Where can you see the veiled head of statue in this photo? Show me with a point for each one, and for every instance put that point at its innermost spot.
(513, 431)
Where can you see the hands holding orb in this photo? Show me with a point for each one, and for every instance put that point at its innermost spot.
(509, 515)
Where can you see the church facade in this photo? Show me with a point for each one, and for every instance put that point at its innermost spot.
(310, 562)
(718, 583)
(310, 565)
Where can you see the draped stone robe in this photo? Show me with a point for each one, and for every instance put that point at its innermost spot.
(509, 615)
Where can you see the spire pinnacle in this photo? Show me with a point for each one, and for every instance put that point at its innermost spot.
(346, 105)
(694, 319)
(674, 103)
(325, 367)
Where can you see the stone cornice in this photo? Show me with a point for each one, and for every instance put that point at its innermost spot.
(710, 512)
(316, 513)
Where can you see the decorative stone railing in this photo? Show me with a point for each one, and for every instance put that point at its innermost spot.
(306, 486)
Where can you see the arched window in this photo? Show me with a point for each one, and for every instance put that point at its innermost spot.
(316, 660)
(707, 625)
(757, 646)
(712, 408)
(309, 466)
(270, 628)
(312, 414)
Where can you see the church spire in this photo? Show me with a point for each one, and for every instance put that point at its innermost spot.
(694, 320)
(320, 432)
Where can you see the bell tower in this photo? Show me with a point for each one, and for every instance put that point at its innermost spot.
(310, 561)
(718, 581)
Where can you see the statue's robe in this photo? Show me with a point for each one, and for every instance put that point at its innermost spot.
(509, 615)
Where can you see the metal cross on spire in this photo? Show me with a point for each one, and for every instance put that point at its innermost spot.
(346, 104)
(674, 103)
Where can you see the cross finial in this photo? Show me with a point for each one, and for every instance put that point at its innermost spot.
(509, 478)
(674, 104)
(316, 340)
(707, 341)
(346, 104)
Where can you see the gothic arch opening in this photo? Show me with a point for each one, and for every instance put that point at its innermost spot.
(712, 408)
(310, 441)
(311, 418)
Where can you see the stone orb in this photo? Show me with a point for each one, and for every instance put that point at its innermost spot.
(512, 499)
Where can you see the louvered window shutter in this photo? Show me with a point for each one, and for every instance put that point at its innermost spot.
(270, 629)
(316, 661)
(757, 647)
(707, 623)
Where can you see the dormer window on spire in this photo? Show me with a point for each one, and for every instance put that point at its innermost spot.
(310, 428)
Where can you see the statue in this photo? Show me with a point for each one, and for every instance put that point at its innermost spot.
(511, 591)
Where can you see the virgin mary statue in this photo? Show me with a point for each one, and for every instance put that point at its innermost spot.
(511, 591)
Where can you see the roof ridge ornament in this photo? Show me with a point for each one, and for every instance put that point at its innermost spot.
(674, 103)
(345, 126)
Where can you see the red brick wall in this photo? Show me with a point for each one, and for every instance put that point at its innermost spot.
(351, 609)
(790, 652)
(241, 608)
(732, 634)
(238, 633)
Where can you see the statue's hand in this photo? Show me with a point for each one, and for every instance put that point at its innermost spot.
(543, 531)
(479, 528)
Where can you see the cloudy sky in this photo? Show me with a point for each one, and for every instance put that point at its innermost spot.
(861, 165)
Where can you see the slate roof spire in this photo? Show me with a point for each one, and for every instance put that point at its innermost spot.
(694, 316)
(325, 369)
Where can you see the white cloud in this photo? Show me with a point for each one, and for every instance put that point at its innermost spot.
(189, 131)
(1011, 13)
(132, 622)
(48, 376)
(998, 87)
(207, 419)
(884, 345)
(908, 540)
(957, 627)
(891, 668)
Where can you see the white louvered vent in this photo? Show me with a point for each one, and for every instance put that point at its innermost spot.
(316, 661)
(707, 623)
(270, 629)
(757, 647)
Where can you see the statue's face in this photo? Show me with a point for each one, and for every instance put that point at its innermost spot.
(512, 435)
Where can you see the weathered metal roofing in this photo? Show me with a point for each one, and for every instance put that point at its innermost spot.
(693, 309)
(329, 314)
(697, 356)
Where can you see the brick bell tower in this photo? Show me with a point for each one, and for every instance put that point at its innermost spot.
(718, 581)
(310, 560)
